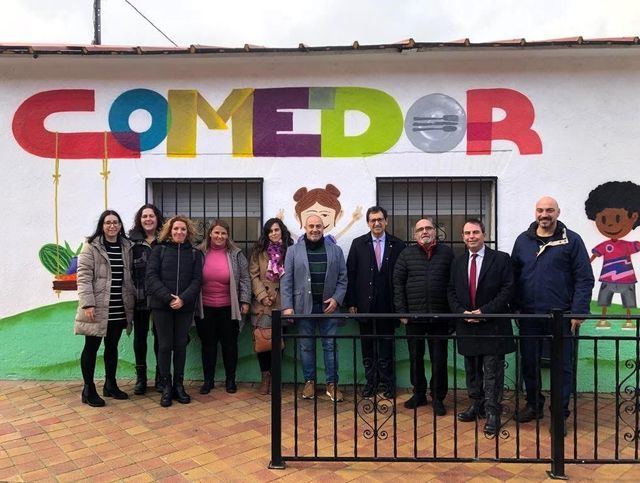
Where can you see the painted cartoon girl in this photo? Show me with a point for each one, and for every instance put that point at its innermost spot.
(324, 203)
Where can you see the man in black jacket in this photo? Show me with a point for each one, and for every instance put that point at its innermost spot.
(372, 258)
(420, 281)
(482, 283)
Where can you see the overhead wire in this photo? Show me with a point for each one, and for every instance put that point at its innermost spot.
(152, 24)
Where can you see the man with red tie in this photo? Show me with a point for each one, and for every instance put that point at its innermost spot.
(482, 283)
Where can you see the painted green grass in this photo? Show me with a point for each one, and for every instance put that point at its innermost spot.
(40, 344)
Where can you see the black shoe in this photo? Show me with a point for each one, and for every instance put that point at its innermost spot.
(529, 414)
(140, 387)
(90, 396)
(418, 399)
(167, 392)
(438, 408)
(368, 390)
(389, 394)
(206, 386)
(476, 410)
(158, 381)
(178, 391)
(230, 386)
(492, 425)
(111, 389)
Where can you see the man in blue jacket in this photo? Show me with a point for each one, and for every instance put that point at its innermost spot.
(315, 282)
(552, 271)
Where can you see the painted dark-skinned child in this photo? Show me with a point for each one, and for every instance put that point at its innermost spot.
(615, 208)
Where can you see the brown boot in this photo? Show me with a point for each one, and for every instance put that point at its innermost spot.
(265, 383)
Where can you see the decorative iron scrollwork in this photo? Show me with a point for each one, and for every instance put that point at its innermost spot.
(629, 405)
(508, 400)
(502, 433)
(375, 412)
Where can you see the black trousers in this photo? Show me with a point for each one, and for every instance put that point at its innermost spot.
(377, 353)
(90, 354)
(530, 353)
(485, 380)
(438, 349)
(140, 333)
(264, 361)
(172, 332)
(217, 327)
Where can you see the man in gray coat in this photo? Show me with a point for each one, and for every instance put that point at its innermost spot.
(315, 282)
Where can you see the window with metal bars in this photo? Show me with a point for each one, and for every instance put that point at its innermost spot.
(449, 201)
(237, 201)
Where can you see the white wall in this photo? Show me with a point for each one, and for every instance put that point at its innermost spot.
(585, 102)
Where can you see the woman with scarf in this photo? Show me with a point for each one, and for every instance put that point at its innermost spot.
(226, 295)
(266, 267)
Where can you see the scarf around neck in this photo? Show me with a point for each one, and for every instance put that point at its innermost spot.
(275, 265)
(428, 249)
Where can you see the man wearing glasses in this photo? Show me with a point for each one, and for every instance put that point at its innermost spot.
(372, 258)
(420, 282)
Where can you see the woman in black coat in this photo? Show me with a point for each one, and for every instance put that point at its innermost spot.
(174, 277)
(144, 235)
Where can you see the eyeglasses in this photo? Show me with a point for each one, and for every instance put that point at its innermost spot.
(373, 221)
(111, 223)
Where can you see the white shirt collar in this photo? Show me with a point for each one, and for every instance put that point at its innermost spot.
(480, 252)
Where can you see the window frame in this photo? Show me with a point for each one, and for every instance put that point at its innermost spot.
(173, 183)
(404, 182)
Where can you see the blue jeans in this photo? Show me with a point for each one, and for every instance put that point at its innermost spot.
(328, 327)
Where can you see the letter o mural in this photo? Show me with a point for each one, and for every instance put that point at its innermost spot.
(130, 101)
(435, 123)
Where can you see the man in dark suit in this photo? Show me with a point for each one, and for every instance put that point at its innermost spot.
(482, 283)
(370, 264)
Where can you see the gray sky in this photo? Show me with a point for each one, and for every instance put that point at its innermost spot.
(286, 23)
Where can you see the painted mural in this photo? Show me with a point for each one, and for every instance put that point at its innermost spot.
(62, 263)
(615, 208)
(262, 122)
(323, 202)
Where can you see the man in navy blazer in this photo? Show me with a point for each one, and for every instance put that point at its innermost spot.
(482, 283)
(370, 264)
(315, 282)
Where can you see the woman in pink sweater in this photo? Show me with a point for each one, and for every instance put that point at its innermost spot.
(226, 295)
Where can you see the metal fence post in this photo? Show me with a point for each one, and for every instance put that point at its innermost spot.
(276, 462)
(557, 409)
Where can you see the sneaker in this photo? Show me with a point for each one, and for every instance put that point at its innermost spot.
(334, 393)
(309, 391)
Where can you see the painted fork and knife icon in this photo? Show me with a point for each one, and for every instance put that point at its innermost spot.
(446, 123)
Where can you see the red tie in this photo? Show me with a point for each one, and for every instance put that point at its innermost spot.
(472, 280)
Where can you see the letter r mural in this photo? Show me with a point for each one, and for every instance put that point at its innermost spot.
(516, 125)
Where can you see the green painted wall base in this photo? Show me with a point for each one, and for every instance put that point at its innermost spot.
(39, 344)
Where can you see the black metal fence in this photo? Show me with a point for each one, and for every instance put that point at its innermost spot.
(603, 426)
